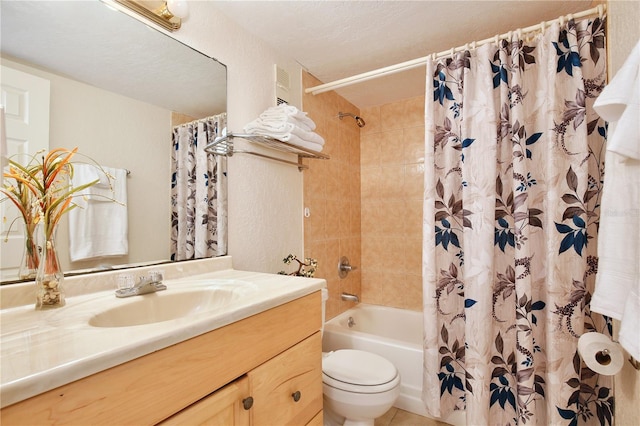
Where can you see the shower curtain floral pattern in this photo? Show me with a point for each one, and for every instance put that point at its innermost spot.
(511, 220)
(198, 191)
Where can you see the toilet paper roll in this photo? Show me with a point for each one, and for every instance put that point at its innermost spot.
(600, 354)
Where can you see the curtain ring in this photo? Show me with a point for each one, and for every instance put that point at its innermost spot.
(497, 40)
(453, 52)
(542, 26)
(473, 45)
(561, 21)
(519, 33)
(434, 56)
(600, 10)
(570, 17)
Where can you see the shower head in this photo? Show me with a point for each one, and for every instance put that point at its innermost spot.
(359, 121)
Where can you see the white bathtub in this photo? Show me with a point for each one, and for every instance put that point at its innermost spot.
(395, 334)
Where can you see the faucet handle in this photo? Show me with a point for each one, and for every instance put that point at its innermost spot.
(156, 275)
(344, 267)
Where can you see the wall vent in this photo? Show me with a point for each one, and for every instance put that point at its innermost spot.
(283, 86)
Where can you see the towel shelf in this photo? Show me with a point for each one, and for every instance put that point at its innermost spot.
(224, 146)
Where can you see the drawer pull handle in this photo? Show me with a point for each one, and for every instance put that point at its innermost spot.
(296, 396)
(247, 403)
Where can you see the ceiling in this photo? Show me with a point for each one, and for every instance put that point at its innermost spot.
(337, 39)
(81, 43)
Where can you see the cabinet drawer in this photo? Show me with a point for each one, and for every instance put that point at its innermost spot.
(288, 388)
(317, 420)
(224, 407)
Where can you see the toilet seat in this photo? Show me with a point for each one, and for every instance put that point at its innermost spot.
(359, 371)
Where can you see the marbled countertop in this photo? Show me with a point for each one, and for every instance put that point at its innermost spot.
(42, 350)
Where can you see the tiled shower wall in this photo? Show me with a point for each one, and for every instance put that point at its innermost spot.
(332, 195)
(392, 173)
(366, 202)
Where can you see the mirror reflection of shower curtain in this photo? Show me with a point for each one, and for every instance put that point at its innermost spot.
(198, 191)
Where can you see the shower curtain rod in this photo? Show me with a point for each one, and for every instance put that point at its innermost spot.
(415, 63)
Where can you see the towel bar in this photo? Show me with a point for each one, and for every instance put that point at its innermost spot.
(224, 146)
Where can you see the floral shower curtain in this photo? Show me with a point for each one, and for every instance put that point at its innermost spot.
(510, 226)
(198, 191)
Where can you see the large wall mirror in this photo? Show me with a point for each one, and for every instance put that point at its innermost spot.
(116, 88)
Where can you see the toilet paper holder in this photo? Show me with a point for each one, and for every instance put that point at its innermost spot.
(604, 358)
(634, 362)
(601, 352)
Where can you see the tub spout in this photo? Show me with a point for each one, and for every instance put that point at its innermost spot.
(350, 297)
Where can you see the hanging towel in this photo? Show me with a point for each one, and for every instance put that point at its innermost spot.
(617, 292)
(98, 226)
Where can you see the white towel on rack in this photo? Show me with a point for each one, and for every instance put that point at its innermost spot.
(98, 226)
(295, 140)
(282, 131)
(85, 173)
(289, 113)
(617, 292)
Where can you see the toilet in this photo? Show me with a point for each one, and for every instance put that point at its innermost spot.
(357, 386)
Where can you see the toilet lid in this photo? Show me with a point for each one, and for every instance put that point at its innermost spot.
(360, 368)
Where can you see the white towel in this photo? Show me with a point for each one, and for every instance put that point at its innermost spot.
(85, 173)
(288, 113)
(617, 292)
(282, 131)
(98, 227)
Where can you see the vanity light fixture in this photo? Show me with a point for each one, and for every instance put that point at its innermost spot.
(168, 14)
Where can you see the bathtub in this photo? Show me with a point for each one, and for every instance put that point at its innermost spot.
(395, 334)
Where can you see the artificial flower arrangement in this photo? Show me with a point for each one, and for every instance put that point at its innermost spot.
(305, 269)
(43, 193)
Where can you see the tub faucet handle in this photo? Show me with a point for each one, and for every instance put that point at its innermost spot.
(344, 267)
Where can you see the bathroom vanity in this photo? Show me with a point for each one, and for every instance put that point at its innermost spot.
(258, 362)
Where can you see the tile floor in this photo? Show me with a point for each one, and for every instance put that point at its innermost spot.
(398, 417)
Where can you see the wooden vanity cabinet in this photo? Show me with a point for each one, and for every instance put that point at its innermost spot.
(274, 357)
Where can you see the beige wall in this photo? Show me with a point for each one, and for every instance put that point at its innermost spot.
(144, 150)
(332, 194)
(623, 34)
(392, 167)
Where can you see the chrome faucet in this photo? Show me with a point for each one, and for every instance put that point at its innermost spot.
(347, 297)
(150, 284)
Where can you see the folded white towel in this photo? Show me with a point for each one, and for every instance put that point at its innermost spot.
(282, 131)
(284, 112)
(295, 140)
(279, 119)
(98, 228)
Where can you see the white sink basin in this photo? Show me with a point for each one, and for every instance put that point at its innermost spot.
(165, 306)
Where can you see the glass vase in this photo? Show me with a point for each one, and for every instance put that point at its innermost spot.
(31, 258)
(49, 279)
